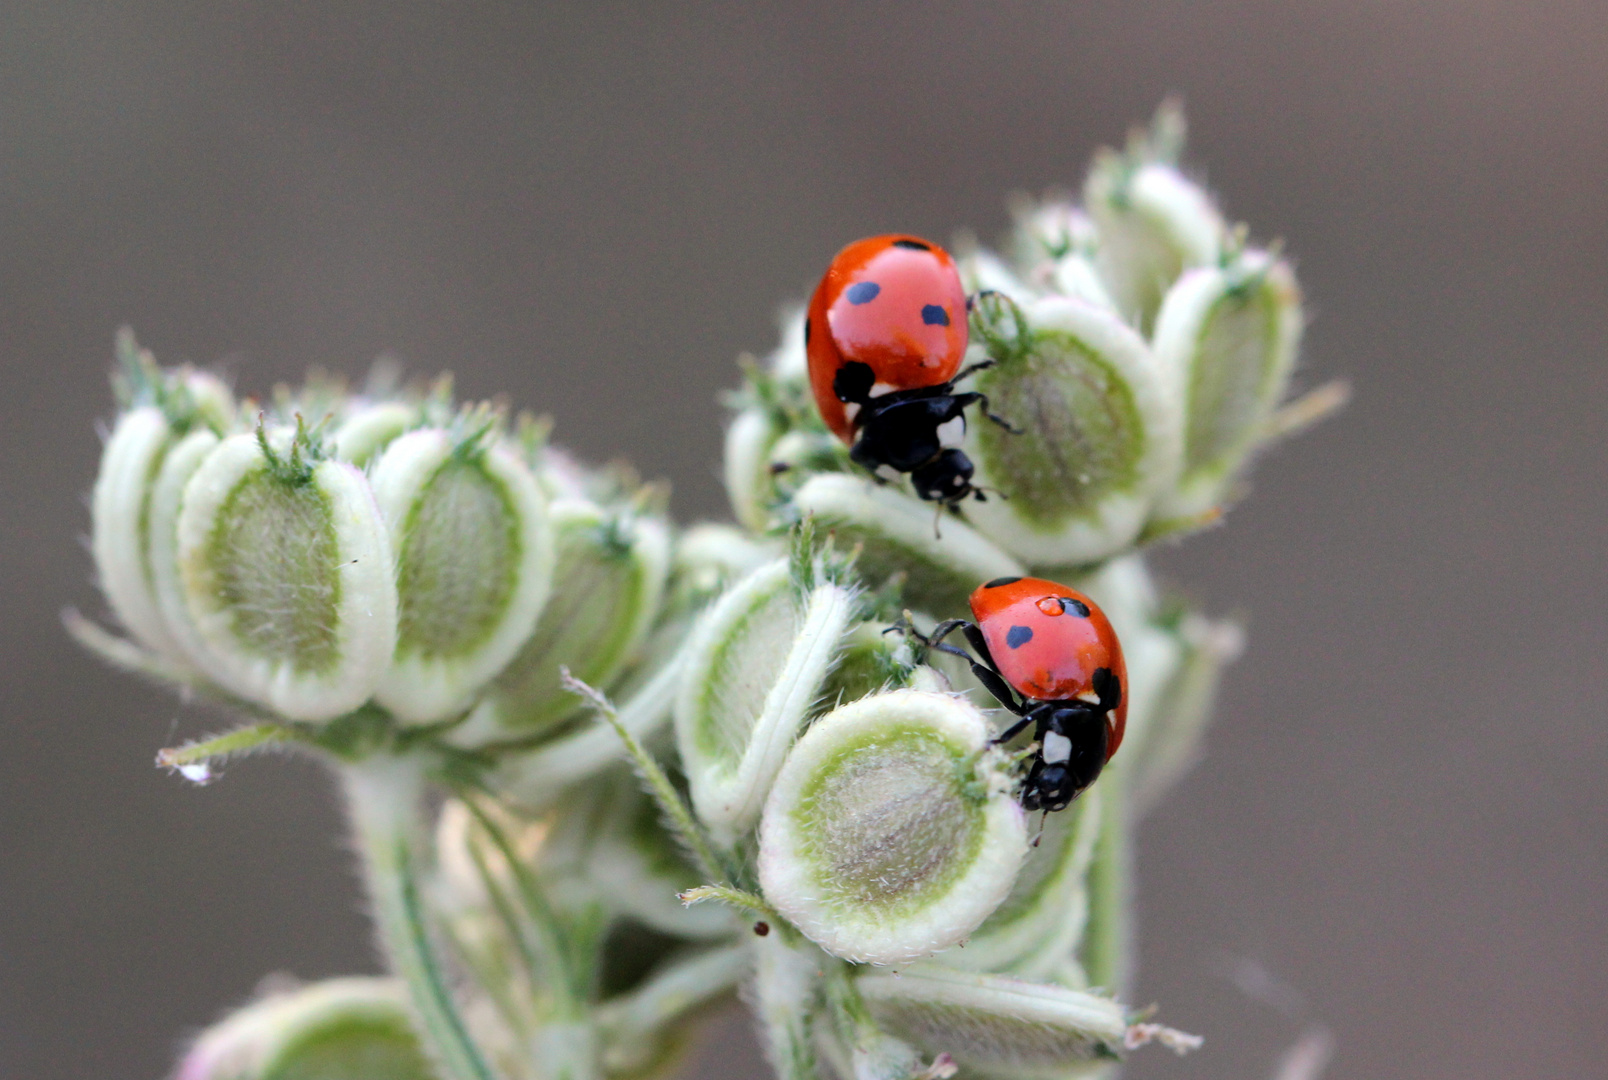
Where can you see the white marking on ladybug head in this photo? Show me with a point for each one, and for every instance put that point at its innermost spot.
(1090, 696)
(952, 433)
(851, 410)
(878, 389)
(1057, 748)
(887, 472)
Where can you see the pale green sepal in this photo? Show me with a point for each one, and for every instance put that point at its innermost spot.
(749, 482)
(536, 778)
(755, 665)
(1153, 222)
(608, 585)
(1178, 718)
(167, 501)
(1043, 917)
(1099, 432)
(939, 560)
(1228, 338)
(365, 433)
(608, 844)
(786, 999)
(287, 579)
(474, 549)
(120, 510)
(635, 1027)
(340, 1029)
(995, 1023)
(891, 833)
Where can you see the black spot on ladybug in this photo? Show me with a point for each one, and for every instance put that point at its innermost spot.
(853, 382)
(999, 581)
(862, 292)
(1018, 636)
(1076, 607)
(934, 315)
(806, 331)
(913, 245)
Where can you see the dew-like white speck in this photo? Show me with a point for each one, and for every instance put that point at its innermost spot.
(200, 773)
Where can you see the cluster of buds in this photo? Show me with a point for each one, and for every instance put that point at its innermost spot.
(671, 763)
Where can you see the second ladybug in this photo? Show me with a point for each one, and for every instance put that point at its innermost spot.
(885, 335)
(1055, 648)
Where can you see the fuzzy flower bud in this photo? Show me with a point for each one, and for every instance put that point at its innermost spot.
(286, 576)
(939, 561)
(608, 582)
(754, 667)
(1228, 335)
(1098, 431)
(474, 552)
(995, 1024)
(1153, 222)
(341, 1029)
(892, 832)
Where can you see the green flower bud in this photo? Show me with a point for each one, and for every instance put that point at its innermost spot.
(340, 1029)
(1039, 924)
(1098, 431)
(753, 668)
(1153, 222)
(121, 511)
(167, 500)
(939, 560)
(1228, 336)
(474, 547)
(608, 583)
(994, 1025)
(286, 574)
(1171, 736)
(892, 833)
(368, 430)
(750, 483)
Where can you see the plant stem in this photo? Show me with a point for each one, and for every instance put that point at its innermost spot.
(1106, 941)
(786, 988)
(383, 798)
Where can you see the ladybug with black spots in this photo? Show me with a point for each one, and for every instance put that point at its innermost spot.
(885, 335)
(1050, 656)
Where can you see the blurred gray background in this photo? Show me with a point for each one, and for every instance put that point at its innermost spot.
(1399, 829)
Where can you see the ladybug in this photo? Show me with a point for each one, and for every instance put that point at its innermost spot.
(1055, 648)
(885, 335)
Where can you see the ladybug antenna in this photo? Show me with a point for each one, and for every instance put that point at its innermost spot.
(1044, 820)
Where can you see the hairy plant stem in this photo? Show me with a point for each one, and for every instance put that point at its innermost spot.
(383, 798)
(1106, 943)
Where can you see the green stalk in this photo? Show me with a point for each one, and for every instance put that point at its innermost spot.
(1106, 941)
(383, 797)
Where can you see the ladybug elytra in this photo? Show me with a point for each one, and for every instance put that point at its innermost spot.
(885, 335)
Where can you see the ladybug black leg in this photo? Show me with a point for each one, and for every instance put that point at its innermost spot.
(1000, 420)
(981, 365)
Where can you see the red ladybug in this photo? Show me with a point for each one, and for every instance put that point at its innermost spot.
(885, 335)
(1053, 646)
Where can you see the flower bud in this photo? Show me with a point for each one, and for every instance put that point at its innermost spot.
(753, 668)
(1097, 431)
(1038, 925)
(939, 560)
(370, 429)
(340, 1029)
(750, 485)
(995, 1024)
(286, 575)
(1227, 335)
(891, 832)
(1171, 735)
(121, 509)
(1153, 222)
(608, 583)
(474, 549)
